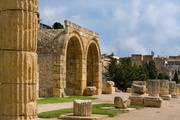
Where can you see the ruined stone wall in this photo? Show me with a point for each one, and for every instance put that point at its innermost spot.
(46, 55)
(57, 49)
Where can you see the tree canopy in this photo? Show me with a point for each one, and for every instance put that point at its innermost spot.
(176, 77)
(123, 72)
(58, 25)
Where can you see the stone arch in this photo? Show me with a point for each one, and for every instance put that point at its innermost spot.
(69, 52)
(74, 60)
(93, 65)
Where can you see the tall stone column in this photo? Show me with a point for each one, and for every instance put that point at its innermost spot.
(18, 59)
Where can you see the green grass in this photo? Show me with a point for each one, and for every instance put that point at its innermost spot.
(64, 99)
(96, 109)
(136, 106)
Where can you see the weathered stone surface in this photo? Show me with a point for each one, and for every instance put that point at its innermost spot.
(18, 67)
(172, 89)
(29, 5)
(140, 82)
(153, 87)
(166, 97)
(121, 103)
(137, 100)
(140, 89)
(108, 87)
(89, 91)
(152, 101)
(25, 39)
(177, 89)
(164, 87)
(18, 60)
(82, 108)
(75, 58)
(16, 103)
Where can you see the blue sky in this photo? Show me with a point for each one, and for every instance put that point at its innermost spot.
(125, 27)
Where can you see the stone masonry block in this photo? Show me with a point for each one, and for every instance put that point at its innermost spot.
(153, 87)
(30, 5)
(18, 100)
(57, 92)
(26, 32)
(137, 100)
(164, 87)
(82, 107)
(18, 67)
(152, 101)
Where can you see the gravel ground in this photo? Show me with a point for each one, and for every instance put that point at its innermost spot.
(170, 110)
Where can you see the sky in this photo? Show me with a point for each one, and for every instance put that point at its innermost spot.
(125, 27)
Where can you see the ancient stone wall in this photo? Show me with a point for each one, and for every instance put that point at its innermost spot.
(76, 62)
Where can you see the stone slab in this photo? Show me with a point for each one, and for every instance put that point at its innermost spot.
(137, 100)
(166, 97)
(92, 117)
(152, 102)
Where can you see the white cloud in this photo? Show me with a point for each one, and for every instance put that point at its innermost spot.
(124, 27)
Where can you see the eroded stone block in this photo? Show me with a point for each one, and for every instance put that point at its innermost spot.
(152, 101)
(90, 91)
(82, 107)
(137, 100)
(121, 103)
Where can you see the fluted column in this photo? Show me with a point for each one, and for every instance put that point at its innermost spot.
(18, 59)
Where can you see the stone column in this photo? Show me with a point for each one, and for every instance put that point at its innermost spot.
(164, 90)
(18, 59)
(172, 89)
(82, 107)
(153, 87)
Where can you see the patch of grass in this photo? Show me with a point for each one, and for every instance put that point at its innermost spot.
(55, 113)
(96, 109)
(64, 99)
(136, 106)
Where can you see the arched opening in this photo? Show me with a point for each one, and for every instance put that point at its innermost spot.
(73, 66)
(92, 66)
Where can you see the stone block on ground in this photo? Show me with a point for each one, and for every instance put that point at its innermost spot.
(140, 89)
(108, 87)
(89, 91)
(82, 108)
(121, 103)
(137, 100)
(152, 102)
(166, 97)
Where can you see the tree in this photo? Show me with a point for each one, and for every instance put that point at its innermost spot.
(176, 77)
(58, 25)
(151, 69)
(161, 76)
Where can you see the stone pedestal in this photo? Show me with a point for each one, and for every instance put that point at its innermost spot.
(18, 59)
(152, 101)
(137, 100)
(108, 87)
(121, 103)
(164, 90)
(82, 108)
(172, 89)
(153, 87)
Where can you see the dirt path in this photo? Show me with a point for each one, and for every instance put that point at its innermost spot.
(170, 110)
